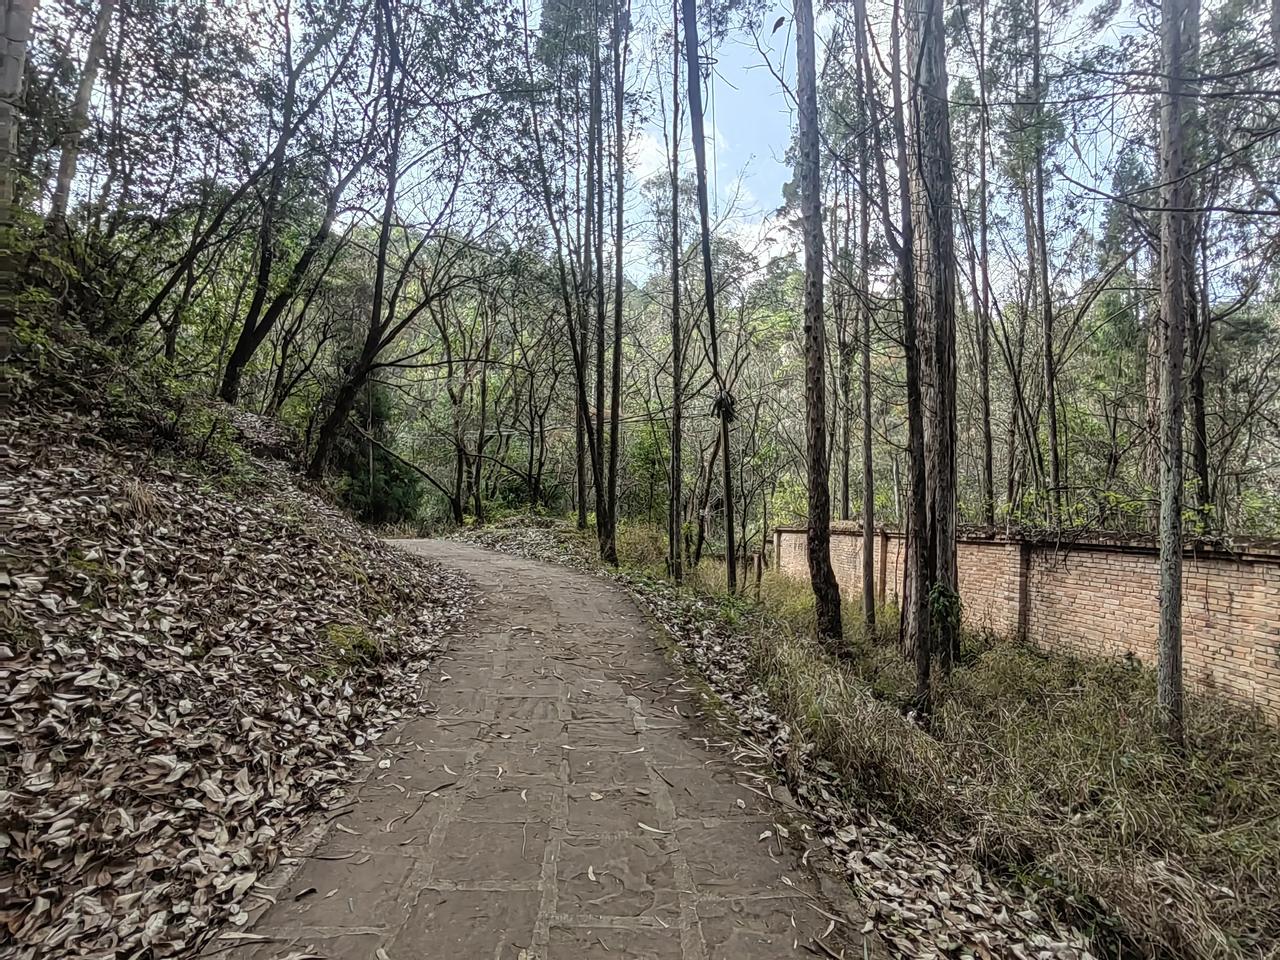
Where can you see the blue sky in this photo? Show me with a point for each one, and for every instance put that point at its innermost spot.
(748, 120)
(752, 117)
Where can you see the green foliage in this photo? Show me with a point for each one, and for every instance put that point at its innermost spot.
(375, 486)
(945, 609)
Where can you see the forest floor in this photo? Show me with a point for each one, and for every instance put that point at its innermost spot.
(561, 801)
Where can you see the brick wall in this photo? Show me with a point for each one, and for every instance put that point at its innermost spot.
(1097, 598)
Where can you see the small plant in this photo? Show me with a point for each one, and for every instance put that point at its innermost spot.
(353, 645)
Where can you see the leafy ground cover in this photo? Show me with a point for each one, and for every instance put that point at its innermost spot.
(1040, 816)
(193, 655)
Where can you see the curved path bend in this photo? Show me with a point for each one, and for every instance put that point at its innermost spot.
(562, 804)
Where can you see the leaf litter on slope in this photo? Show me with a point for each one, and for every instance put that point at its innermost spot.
(186, 676)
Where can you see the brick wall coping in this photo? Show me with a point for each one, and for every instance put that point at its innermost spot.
(1257, 549)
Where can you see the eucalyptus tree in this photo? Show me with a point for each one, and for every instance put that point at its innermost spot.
(70, 148)
(18, 15)
(431, 192)
(675, 515)
(1179, 30)
(826, 591)
(723, 404)
(13, 56)
(931, 175)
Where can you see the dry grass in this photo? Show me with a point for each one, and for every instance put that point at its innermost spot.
(1053, 770)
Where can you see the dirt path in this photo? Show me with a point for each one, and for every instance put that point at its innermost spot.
(559, 805)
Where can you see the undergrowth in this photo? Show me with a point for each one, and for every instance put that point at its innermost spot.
(135, 401)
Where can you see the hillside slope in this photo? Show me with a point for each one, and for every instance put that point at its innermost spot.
(191, 661)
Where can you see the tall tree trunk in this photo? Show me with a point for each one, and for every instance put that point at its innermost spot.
(1042, 266)
(580, 461)
(597, 120)
(675, 558)
(724, 401)
(916, 632)
(1179, 28)
(585, 297)
(841, 415)
(704, 501)
(826, 592)
(863, 80)
(246, 344)
(609, 545)
(602, 503)
(80, 114)
(1153, 366)
(13, 59)
(984, 266)
(1199, 313)
(568, 290)
(363, 366)
(931, 187)
(1199, 332)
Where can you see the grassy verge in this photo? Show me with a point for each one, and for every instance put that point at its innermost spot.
(1053, 770)
(1047, 770)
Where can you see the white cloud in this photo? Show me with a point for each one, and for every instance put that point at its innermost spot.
(646, 156)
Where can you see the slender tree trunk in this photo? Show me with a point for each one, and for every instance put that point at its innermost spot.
(1155, 347)
(609, 546)
(1042, 265)
(1199, 314)
(252, 337)
(343, 403)
(864, 313)
(1179, 28)
(724, 401)
(80, 113)
(576, 333)
(704, 501)
(13, 58)
(359, 373)
(675, 532)
(842, 413)
(1199, 336)
(826, 591)
(477, 467)
(586, 295)
(13, 55)
(247, 343)
(597, 240)
(580, 462)
(919, 566)
(984, 266)
(1275, 29)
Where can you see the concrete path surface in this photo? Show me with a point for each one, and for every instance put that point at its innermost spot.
(560, 805)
